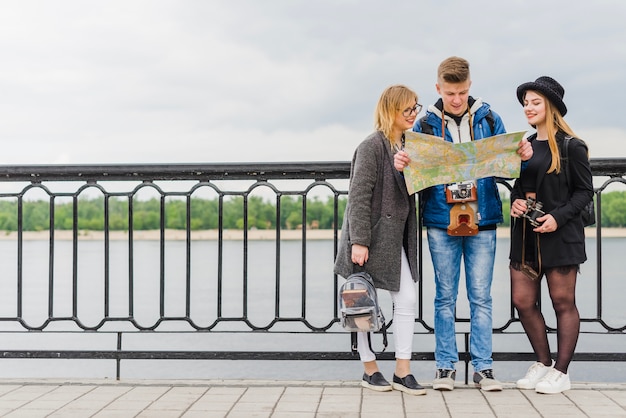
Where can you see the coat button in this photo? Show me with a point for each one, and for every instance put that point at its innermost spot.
(388, 216)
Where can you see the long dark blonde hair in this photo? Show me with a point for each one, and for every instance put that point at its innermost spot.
(390, 103)
(555, 123)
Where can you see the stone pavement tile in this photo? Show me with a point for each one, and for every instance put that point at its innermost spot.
(187, 392)
(177, 398)
(604, 412)
(68, 392)
(304, 405)
(383, 403)
(515, 411)
(293, 415)
(433, 402)
(345, 415)
(12, 403)
(617, 396)
(506, 397)
(112, 414)
(169, 405)
(27, 392)
(149, 393)
(261, 395)
(470, 410)
(107, 392)
(208, 399)
(90, 404)
(339, 403)
(8, 388)
(303, 391)
(252, 407)
(347, 391)
(204, 414)
(206, 404)
(158, 414)
(466, 401)
(595, 403)
(227, 390)
(559, 410)
(29, 413)
(72, 413)
(249, 414)
(439, 414)
(45, 404)
(127, 404)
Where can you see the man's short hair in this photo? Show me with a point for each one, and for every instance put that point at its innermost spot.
(453, 70)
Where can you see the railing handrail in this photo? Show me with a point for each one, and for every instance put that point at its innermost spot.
(611, 167)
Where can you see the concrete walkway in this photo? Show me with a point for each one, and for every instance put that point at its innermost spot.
(293, 399)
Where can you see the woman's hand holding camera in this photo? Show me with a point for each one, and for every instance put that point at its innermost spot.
(547, 222)
(518, 208)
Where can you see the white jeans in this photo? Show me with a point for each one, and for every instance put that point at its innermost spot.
(404, 302)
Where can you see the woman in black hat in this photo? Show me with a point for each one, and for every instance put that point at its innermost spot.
(548, 236)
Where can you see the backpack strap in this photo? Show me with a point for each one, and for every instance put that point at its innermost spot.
(425, 127)
(491, 121)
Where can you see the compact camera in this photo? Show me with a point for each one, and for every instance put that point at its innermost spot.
(533, 211)
(461, 192)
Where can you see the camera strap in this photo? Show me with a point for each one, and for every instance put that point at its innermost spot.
(524, 247)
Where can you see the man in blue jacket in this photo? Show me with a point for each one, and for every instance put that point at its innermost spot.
(463, 118)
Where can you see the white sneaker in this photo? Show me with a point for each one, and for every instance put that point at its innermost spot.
(535, 373)
(553, 382)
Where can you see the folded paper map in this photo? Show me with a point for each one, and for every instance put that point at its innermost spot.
(435, 161)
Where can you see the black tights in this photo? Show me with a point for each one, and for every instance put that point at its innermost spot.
(562, 288)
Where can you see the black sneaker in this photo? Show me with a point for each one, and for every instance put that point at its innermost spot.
(444, 379)
(376, 382)
(408, 384)
(485, 380)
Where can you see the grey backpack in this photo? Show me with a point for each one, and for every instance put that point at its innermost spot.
(359, 308)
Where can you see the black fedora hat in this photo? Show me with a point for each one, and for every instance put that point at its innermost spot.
(547, 86)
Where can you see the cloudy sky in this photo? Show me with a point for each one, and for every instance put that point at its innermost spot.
(157, 81)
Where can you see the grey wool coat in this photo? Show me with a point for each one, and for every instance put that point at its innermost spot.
(380, 215)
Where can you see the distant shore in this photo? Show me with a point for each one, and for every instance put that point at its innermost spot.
(228, 234)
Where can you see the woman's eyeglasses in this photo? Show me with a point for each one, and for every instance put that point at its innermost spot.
(408, 111)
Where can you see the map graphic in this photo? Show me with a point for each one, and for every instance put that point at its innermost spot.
(435, 161)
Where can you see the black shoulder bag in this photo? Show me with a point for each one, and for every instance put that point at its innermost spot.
(588, 214)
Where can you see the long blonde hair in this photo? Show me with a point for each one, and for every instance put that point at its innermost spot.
(555, 123)
(390, 103)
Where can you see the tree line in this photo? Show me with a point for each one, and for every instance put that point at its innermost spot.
(205, 213)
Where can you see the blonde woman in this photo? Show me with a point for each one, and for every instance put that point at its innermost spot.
(554, 245)
(379, 233)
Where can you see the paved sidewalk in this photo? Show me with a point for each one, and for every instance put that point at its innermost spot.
(293, 399)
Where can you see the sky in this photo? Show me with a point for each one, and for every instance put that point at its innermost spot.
(191, 81)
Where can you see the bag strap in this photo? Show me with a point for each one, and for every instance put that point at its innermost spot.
(524, 247)
(354, 340)
(566, 158)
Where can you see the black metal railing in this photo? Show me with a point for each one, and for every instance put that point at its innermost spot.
(111, 282)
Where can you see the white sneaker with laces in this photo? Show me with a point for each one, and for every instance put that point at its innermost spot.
(553, 382)
(535, 373)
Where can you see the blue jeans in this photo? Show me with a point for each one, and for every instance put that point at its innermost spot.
(478, 253)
